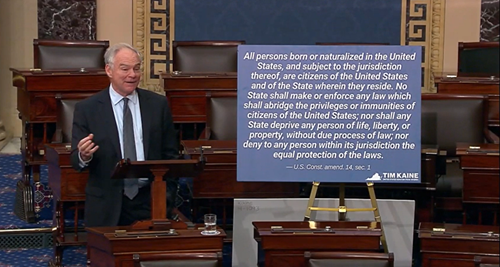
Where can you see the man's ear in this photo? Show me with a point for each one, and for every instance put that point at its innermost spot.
(107, 68)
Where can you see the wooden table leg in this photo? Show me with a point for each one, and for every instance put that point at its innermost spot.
(57, 260)
(58, 234)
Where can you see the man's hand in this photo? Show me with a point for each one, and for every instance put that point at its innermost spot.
(87, 148)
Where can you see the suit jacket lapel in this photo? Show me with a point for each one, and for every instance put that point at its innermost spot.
(146, 111)
(108, 116)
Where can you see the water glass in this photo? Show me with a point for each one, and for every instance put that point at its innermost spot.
(210, 221)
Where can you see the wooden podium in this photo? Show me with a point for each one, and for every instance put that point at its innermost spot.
(284, 243)
(117, 246)
(160, 169)
(37, 105)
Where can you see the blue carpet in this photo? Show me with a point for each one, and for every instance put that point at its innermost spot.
(10, 174)
(38, 257)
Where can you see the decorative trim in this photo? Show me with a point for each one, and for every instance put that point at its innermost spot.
(152, 37)
(422, 24)
(138, 36)
(172, 31)
(437, 42)
(404, 11)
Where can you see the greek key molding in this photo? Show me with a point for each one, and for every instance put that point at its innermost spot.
(422, 23)
(152, 24)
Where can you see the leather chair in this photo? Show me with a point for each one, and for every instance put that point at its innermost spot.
(65, 107)
(348, 259)
(205, 56)
(451, 118)
(204, 259)
(478, 59)
(68, 54)
(221, 116)
(486, 261)
(329, 43)
(448, 119)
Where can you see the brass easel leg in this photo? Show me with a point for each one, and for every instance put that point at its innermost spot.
(342, 207)
(312, 197)
(376, 214)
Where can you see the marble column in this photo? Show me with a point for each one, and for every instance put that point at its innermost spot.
(489, 20)
(67, 19)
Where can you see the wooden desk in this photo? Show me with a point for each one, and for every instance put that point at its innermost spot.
(218, 179)
(37, 106)
(68, 185)
(473, 85)
(455, 245)
(451, 83)
(106, 249)
(287, 248)
(186, 93)
(481, 166)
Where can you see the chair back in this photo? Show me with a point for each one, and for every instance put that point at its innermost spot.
(348, 259)
(205, 56)
(65, 110)
(221, 116)
(205, 259)
(448, 119)
(478, 59)
(68, 54)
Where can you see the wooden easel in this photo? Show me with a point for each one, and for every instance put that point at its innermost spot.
(342, 209)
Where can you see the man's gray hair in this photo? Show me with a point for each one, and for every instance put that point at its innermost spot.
(109, 56)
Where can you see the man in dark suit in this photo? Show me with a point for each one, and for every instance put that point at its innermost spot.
(107, 128)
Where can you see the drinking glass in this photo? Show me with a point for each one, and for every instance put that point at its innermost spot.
(210, 221)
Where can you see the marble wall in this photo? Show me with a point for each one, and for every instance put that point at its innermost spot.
(489, 20)
(67, 19)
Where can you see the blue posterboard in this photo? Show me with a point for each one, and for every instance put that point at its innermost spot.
(329, 113)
